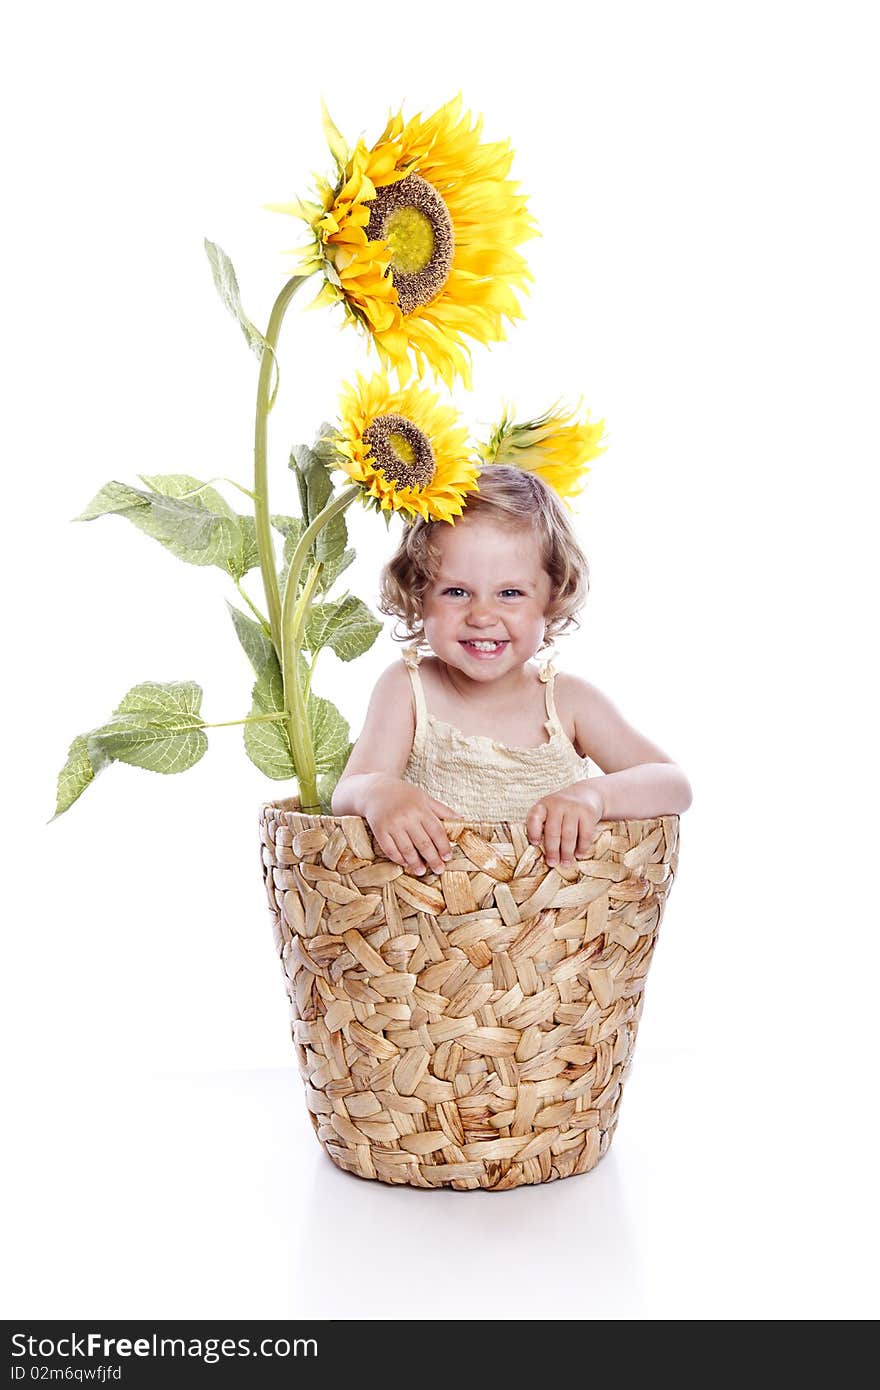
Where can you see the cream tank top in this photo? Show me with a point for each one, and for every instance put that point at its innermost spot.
(476, 775)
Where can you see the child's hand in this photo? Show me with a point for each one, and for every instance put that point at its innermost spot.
(566, 821)
(406, 822)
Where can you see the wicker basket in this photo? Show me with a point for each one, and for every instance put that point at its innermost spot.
(473, 1028)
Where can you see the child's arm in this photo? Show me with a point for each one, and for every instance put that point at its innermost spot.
(639, 780)
(405, 820)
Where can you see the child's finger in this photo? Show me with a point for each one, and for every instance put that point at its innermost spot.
(535, 821)
(568, 838)
(411, 858)
(586, 835)
(437, 831)
(389, 849)
(426, 847)
(442, 810)
(552, 836)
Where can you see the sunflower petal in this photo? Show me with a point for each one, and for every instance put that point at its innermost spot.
(489, 221)
(338, 147)
(454, 470)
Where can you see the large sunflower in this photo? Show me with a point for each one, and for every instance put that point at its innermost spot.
(408, 452)
(556, 445)
(417, 239)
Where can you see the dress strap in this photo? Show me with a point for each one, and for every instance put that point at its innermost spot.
(412, 656)
(547, 674)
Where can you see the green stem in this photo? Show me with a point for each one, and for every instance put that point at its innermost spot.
(295, 700)
(261, 485)
(256, 612)
(277, 715)
(232, 483)
(293, 619)
(202, 487)
(311, 675)
(304, 603)
(304, 545)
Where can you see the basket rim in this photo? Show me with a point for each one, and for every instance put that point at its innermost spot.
(290, 806)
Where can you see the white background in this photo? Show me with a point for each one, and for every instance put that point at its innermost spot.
(707, 277)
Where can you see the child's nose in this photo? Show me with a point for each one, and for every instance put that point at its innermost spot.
(481, 612)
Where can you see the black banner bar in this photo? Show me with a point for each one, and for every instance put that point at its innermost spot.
(106, 1353)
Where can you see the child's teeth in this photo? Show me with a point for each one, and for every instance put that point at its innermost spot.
(484, 646)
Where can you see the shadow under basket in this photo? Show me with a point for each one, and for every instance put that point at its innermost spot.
(472, 1028)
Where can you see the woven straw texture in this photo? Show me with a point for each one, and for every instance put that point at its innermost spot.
(469, 1029)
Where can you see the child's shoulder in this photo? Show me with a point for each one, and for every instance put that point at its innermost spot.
(392, 691)
(392, 687)
(395, 676)
(602, 733)
(574, 689)
(582, 704)
(574, 698)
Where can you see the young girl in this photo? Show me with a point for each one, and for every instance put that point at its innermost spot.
(476, 731)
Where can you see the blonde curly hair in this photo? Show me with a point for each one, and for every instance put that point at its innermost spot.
(510, 497)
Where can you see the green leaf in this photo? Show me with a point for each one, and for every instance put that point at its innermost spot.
(348, 627)
(326, 450)
(76, 774)
(186, 488)
(330, 540)
(188, 531)
(157, 726)
(313, 480)
(327, 781)
(266, 742)
(185, 516)
(291, 528)
(325, 444)
(227, 288)
(246, 555)
(257, 645)
(312, 465)
(332, 570)
(329, 733)
(162, 698)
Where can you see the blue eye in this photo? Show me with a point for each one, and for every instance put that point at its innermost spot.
(454, 590)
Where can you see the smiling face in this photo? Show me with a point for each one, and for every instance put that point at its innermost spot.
(484, 614)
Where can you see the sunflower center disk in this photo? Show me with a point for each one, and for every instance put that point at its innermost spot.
(410, 235)
(414, 220)
(400, 450)
(402, 447)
